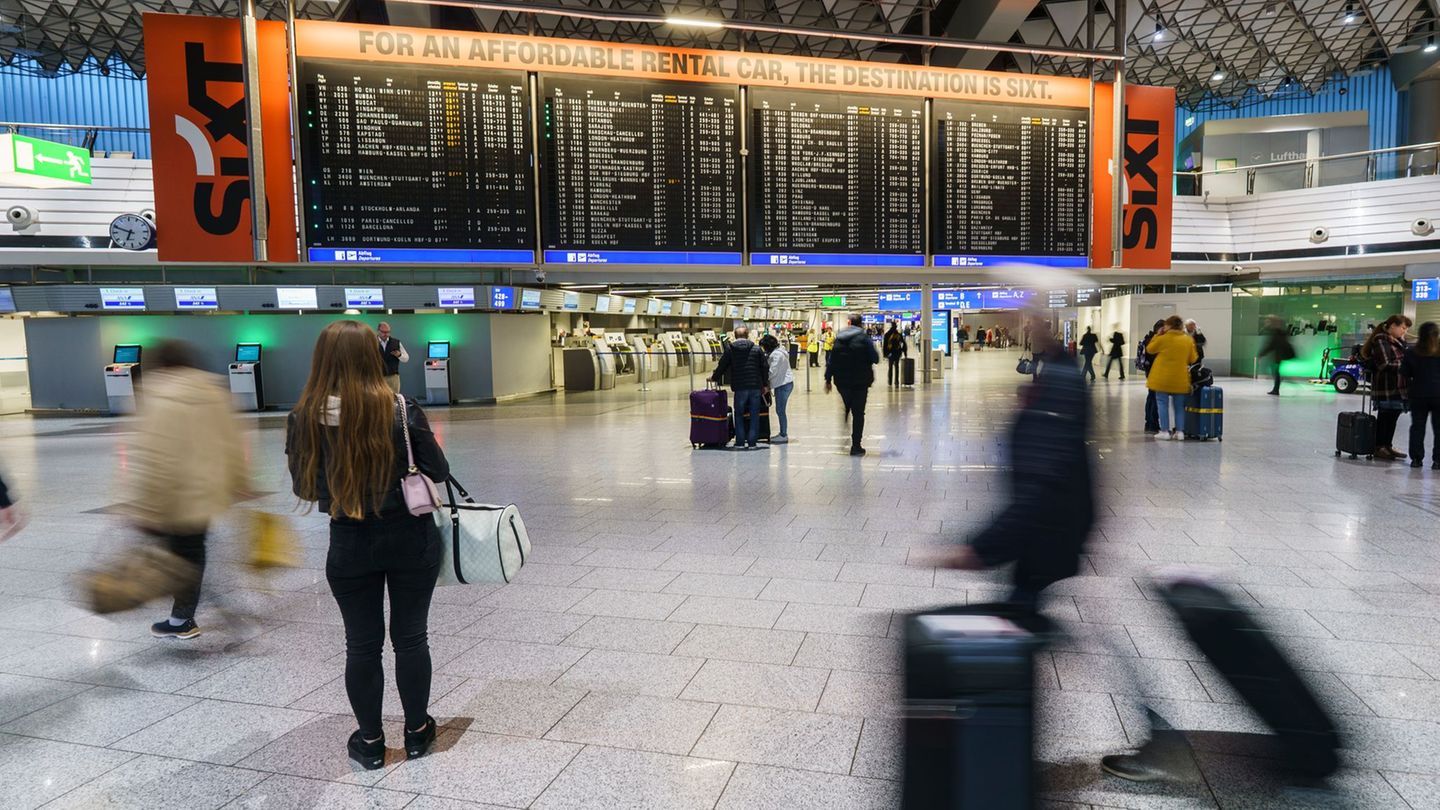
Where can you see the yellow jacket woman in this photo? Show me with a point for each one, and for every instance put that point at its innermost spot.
(1174, 353)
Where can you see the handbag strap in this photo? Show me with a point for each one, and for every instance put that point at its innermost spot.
(405, 427)
(451, 482)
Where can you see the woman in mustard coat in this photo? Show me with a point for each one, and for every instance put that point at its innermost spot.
(1174, 353)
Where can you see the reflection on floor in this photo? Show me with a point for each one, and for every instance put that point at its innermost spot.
(716, 629)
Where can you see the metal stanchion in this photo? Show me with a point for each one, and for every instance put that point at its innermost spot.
(644, 372)
(690, 366)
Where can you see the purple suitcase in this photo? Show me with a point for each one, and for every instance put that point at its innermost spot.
(709, 418)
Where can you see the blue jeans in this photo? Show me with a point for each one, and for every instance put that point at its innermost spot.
(747, 431)
(782, 398)
(1164, 403)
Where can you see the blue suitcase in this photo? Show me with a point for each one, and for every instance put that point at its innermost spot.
(1205, 414)
(969, 709)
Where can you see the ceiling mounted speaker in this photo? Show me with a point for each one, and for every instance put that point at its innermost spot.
(1318, 235)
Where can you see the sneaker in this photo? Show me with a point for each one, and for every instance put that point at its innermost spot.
(1133, 767)
(782, 439)
(1180, 435)
(368, 755)
(759, 447)
(1416, 463)
(857, 451)
(1396, 453)
(417, 743)
(1273, 393)
(164, 629)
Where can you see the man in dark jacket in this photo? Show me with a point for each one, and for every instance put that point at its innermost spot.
(749, 378)
(1117, 353)
(852, 369)
(1089, 347)
(894, 352)
(1142, 362)
(1051, 508)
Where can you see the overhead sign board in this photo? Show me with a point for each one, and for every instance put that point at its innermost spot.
(832, 301)
(902, 301)
(192, 298)
(296, 298)
(122, 298)
(1425, 289)
(457, 297)
(36, 163)
(364, 298)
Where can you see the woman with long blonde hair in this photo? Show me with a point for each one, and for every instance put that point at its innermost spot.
(346, 447)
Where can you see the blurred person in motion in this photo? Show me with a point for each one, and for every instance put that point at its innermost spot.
(1051, 506)
(749, 379)
(1383, 354)
(851, 368)
(1421, 372)
(1169, 377)
(345, 445)
(1117, 352)
(188, 467)
(895, 351)
(1089, 347)
(11, 520)
(1277, 345)
(1143, 360)
(1193, 330)
(782, 383)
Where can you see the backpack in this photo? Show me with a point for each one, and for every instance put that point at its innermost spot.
(1143, 360)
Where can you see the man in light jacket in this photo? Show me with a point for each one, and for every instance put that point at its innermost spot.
(188, 467)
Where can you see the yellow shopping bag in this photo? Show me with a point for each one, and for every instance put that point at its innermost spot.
(272, 542)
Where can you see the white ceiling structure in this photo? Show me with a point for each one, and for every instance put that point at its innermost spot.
(1214, 51)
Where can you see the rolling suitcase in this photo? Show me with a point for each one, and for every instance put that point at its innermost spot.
(709, 418)
(969, 712)
(764, 429)
(1252, 664)
(907, 371)
(1205, 414)
(1355, 432)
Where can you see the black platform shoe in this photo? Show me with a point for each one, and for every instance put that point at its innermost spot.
(417, 743)
(368, 755)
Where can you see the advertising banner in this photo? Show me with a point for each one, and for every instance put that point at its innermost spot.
(198, 130)
(1148, 176)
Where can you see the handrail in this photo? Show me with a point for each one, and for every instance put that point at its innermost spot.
(86, 127)
(1321, 158)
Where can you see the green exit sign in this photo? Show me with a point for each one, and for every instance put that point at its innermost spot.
(832, 301)
(34, 163)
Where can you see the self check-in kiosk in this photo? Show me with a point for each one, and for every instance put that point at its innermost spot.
(122, 377)
(437, 372)
(247, 388)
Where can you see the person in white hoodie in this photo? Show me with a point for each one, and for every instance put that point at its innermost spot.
(782, 383)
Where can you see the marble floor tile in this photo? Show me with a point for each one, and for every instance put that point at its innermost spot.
(293, 793)
(636, 722)
(757, 787)
(804, 740)
(632, 635)
(631, 673)
(732, 612)
(765, 685)
(514, 660)
(511, 771)
(604, 778)
(532, 626)
(741, 644)
(216, 732)
(33, 771)
(157, 783)
(98, 716)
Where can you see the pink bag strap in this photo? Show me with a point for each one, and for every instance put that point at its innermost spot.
(405, 426)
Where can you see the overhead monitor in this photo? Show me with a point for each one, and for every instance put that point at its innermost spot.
(602, 303)
(192, 298)
(734, 311)
(364, 298)
(529, 299)
(439, 350)
(572, 300)
(1087, 297)
(704, 309)
(685, 308)
(127, 353)
(652, 306)
(7, 300)
(667, 308)
(122, 298)
(295, 298)
(456, 297)
(247, 352)
(1058, 299)
(502, 297)
(629, 307)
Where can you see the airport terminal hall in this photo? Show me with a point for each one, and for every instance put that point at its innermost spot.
(719, 404)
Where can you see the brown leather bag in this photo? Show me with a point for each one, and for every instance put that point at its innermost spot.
(141, 574)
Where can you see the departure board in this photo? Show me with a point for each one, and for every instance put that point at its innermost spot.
(1010, 181)
(640, 171)
(416, 164)
(836, 174)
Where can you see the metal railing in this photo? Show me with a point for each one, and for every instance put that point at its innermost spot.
(65, 133)
(1415, 160)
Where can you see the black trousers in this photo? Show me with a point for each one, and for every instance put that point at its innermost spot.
(854, 398)
(191, 548)
(1089, 370)
(894, 374)
(1385, 421)
(1424, 409)
(401, 554)
(1111, 362)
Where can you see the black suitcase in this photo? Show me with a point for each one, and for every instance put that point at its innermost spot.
(1252, 664)
(1355, 434)
(969, 709)
(907, 371)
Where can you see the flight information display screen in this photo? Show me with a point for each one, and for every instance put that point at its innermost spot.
(640, 172)
(415, 164)
(1010, 182)
(837, 179)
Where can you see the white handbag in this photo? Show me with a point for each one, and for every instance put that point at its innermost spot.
(480, 542)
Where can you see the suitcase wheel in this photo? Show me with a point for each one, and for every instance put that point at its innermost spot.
(1337, 454)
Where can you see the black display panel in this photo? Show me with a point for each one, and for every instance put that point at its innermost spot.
(1010, 180)
(836, 173)
(640, 165)
(415, 157)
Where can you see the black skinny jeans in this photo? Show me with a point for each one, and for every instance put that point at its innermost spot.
(403, 554)
(1089, 370)
(894, 375)
(191, 548)
(1385, 419)
(854, 399)
(1421, 410)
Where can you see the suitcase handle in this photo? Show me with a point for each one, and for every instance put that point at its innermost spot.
(939, 710)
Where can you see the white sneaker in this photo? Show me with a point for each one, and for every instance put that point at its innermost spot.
(1172, 436)
(1180, 435)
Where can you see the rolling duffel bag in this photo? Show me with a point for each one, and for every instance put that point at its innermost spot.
(479, 542)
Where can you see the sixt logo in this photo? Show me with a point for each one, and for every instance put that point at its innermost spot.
(221, 121)
(1142, 182)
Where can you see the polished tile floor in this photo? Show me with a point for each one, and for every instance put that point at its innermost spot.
(716, 629)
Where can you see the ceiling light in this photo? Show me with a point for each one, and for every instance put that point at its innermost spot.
(1430, 46)
(1159, 32)
(1349, 18)
(1218, 76)
(693, 22)
(1271, 10)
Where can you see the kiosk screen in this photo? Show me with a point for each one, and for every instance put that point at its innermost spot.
(127, 353)
(247, 352)
(529, 299)
(296, 298)
(122, 298)
(602, 303)
(440, 351)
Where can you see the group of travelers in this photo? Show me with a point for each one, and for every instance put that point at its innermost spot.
(1404, 378)
(1171, 356)
(992, 337)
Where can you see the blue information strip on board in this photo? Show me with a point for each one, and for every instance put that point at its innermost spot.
(640, 257)
(979, 299)
(903, 301)
(420, 256)
(952, 260)
(837, 259)
(1425, 289)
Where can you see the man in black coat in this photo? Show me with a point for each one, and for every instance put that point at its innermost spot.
(852, 369)
(749, 379)
(1051, 509)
